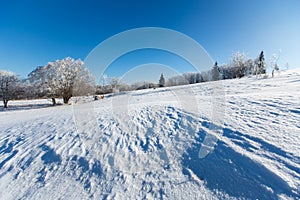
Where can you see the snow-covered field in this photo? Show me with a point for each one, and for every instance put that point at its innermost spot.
(153, 144)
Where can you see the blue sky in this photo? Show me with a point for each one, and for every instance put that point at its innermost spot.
(33, 33)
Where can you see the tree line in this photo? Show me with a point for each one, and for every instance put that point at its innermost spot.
(68, 77)
(238, 67)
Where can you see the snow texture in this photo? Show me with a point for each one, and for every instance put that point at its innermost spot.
(148, 144)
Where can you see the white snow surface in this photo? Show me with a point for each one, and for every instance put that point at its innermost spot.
(232, 139)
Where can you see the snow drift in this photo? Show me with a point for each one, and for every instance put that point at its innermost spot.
(148, 144)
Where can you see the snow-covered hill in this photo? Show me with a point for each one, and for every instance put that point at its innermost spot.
(231, 139)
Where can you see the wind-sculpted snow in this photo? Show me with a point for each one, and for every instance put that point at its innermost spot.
(153, 148)
(226, 169)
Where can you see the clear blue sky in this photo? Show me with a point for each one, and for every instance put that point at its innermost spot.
(33, 33)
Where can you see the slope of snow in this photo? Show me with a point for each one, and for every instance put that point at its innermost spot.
(234, 139)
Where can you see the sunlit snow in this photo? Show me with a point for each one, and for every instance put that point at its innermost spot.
(145, 144)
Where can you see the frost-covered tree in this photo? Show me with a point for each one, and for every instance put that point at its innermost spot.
(62, 75)
(162, 81)
(238, 64)
(142, 85)
(199, 78)
(38, 82)
(171, 81)
(62, 78)
(190, 78)
(250, 67)
(115, 84)
(273, 63)
(205, 76)
(176, 80)
(125, 87)
(225, 71)
(287, 66)
(8, 86)
(84, 83)
(215, 72)
(24, 90)
(260, 63)
(103, 87)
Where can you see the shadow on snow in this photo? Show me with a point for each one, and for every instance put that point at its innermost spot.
(235, 174)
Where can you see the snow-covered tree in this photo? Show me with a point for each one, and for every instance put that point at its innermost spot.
(38, 82)
(162, 81)
(142, 85)
(199, 78)
(84, 83)
(8, 86)
(238, 64)
(215, 74)
(250, 67)
(260, 64)
(205, 76)
(224, 71)
(176, 80)
(190, 78)
(115, 84)
(171, 81)
(125, 87)
(273, 63)
(62, 78)
(287, 66)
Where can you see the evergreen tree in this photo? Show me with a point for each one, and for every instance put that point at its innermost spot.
(261, 63)
(215, 72)
(162, 81)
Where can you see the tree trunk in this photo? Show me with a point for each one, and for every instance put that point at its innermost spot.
(53, 101)
(5, 101)
(66, 98)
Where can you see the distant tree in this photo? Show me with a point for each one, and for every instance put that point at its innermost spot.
(287, 66)
(238, 64)
(124, 87)
(250, 67)
(104, 87)
(136, 85)
(205, 76)
(24, 90)
(199, 78)
(162, 81)
(142, 85)
(115, 84)
(8, 86)
(172, 81)
(225, 72)
(260, 64)
(84, 83)
(38, 82)
(178, 80)
(215, 72)
(100, 90)
(190, 78)
(273, 62)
